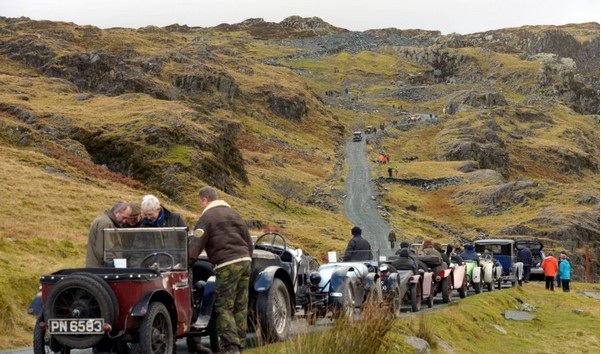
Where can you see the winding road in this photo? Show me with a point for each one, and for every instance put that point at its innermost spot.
(359, 206)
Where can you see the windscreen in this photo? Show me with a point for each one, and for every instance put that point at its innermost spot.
(159, 247)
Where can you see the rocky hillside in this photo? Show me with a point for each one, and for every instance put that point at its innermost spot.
(506, 144)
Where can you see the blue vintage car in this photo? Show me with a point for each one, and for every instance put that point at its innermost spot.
(503, 252)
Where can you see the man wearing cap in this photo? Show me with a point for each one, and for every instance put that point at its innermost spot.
(358, 249)
(135, 218)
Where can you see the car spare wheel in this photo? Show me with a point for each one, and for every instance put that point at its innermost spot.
(80, 296)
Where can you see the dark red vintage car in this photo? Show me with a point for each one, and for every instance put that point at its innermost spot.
(144, 298)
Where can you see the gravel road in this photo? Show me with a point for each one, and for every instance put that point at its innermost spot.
(359, 206)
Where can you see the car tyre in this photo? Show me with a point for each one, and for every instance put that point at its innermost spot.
(156, 331)
(43, 343)
(397, 300)
(463, 289)
(416, 297)
(446, 290)
(431, 297)
(274, 312)
(346, 311)
(477, 288)
(92, 301)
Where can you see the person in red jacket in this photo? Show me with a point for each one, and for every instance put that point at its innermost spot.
(550, 266)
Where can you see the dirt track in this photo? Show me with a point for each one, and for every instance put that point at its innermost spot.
(359, 206)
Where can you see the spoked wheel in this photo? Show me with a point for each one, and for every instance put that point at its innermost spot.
(346, 311)
(396, 301)
(274, 311)
(156, 331)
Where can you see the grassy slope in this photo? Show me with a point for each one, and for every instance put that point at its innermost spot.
(565, 322)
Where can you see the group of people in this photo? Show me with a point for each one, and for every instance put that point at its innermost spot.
(220, 231)
(557, 271)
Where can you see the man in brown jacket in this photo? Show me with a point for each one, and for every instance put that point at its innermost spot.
(222, 233)
(111, 218)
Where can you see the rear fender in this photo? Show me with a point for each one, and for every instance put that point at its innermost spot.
(160, 295)
(444, 273)
(427, 283)
(458, 276)
(476, 275)
(264, 281)
(489, 275)
(369, 281)
(36, 307)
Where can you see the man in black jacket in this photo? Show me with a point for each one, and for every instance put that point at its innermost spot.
(525, 256)
(358, 249)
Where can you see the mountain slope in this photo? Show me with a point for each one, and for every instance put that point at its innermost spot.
(507, 143)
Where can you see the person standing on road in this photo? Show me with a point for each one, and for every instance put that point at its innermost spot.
(392, 238)
(358, 248)
(525, 256)
(222, 233)
(565, 270)
(111, 218)
(550, 266)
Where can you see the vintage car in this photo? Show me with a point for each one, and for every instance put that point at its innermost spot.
(340, 289)
(503, 252)
(414, 286)
(357, 136)
(144, 299)
(536, 247)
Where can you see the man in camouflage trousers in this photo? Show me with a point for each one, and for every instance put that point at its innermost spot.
(222, 233)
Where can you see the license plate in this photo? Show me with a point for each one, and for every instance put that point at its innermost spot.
(75, 326)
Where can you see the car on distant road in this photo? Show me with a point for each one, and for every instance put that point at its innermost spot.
(357, 136)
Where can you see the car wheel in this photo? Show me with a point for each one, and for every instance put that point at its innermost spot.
(477, 288)
(463, 289)
(346, 310)
(396, 301)
(127, 348)
(43, 343)
(446, 290)
(416, 297)
(156, 331)
(274, 312)
(374, 296)
(84, 295)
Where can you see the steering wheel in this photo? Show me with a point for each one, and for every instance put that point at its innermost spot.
(156, 258)
(273, 242)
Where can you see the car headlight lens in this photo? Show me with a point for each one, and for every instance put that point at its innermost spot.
(315, 278)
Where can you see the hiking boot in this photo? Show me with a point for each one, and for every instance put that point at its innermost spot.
(230, 349)
(199, 348)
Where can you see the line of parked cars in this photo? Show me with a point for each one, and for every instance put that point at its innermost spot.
(145, 299)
